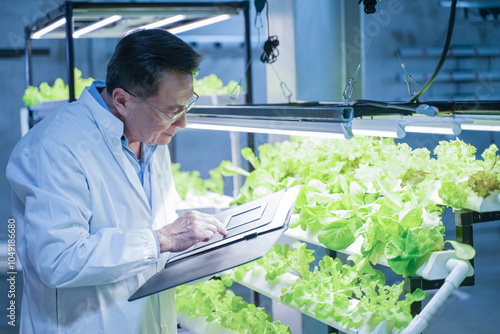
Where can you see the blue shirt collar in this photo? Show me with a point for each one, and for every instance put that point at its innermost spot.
(93, 90)
(147, 150)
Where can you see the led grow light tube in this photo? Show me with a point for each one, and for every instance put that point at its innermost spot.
(279, 127)
(378, 128)
(49, 28)
(164, 22)
(453, 129)
(482, 123)
(480, 127)
(198, 24)
(96, 25)
(433, 125)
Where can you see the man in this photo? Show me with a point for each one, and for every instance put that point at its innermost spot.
(93, 196)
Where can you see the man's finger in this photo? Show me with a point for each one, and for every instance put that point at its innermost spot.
(208, 235)
(219, 226)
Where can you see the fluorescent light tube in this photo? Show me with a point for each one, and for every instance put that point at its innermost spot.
(453, 129)
(198, 24)
(480, 127)
(164, 22)
(377, 133)
(268, 131)
(49, 28)
(377, 128)
(434, 125)
(96, 25)
(279, 127)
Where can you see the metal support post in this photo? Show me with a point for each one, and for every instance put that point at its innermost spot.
(464, 234)
(70, 52)
(412, 284)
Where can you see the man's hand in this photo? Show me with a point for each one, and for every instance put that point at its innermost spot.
(185, 231)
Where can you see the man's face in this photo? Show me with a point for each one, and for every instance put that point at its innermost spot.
(144, 124)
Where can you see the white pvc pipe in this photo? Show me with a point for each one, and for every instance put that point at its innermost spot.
(458, 271)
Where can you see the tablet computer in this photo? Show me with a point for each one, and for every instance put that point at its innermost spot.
(253, 228)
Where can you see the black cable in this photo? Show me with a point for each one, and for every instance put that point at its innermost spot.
(271, 53)
(369, 6)
(451, 22)
(423, 109)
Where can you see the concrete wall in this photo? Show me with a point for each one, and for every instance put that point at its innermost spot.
(422, 25)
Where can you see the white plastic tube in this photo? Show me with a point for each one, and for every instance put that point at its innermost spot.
(458, 272)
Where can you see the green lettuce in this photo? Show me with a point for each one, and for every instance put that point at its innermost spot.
(212, 300)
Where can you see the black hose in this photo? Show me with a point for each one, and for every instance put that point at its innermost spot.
(451, 22)
(381, 104)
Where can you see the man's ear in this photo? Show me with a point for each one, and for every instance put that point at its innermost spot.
(121, 100)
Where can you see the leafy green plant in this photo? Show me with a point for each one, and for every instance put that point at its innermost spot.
(347, 294)
(463, 178)
(373, 189)
(462, 251)
(191, 181)
(279, 260)
(59, 91)
(211, 84)
(212, 300)
(329, 291)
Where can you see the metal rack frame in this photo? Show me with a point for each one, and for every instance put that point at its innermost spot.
(70, 9)
(303, 110)
(464, 221)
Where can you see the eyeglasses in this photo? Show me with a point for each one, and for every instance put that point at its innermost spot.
(176, 116)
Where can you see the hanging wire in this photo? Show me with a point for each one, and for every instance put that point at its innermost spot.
(256, 24)
(408, 78)
(287, 93)
(409, 82)
(346, 94)
(451, 22)
(270, 54)
(235, 92)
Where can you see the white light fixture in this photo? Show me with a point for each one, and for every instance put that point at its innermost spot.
(481, 127)
(377, 128)
(452, 129)
(96, 25)
(164, 22)
(198, 24)
(482, 122)
(278, 127)
(435, 125)
(397, 126)
(49, 28)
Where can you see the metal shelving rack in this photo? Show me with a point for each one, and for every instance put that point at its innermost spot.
(464, 222)
(78, 14)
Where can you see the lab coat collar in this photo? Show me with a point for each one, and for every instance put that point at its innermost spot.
(102, 116)
(111, 129)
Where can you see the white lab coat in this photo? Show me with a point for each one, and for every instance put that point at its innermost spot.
(84, 226)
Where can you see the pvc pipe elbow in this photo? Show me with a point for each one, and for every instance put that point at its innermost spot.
(458, 271)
